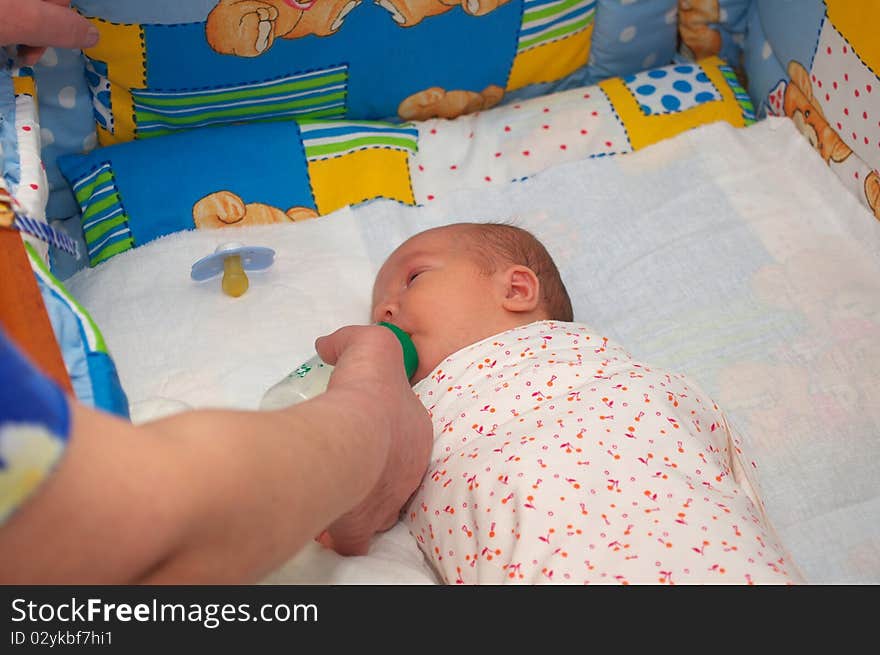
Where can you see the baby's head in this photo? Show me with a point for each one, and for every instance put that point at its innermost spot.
(452, 286)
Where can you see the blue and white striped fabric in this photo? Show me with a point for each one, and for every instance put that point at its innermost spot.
(47, 233)
(741, 95)
(326, 139)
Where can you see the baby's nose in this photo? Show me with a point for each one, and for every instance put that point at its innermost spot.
(384, 311)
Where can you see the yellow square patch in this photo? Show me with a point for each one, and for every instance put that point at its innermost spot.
(551, 61)
(857, 22)
(124, 46)
(645, 128)
(359, 176)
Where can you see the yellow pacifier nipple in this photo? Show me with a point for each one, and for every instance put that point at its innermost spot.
(235, 280)
(232, 260)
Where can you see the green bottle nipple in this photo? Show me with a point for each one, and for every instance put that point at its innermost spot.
(410, 356)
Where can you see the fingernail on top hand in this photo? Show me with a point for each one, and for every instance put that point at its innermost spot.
(92, 37)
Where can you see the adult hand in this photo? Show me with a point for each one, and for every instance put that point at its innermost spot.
(369, 367)
(35, 24)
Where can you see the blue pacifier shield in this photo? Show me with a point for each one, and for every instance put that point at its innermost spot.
(253, 258)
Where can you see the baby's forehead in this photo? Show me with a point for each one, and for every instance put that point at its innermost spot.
(437, 235)
(430, 242)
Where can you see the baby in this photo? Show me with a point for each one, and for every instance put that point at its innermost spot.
(557, 458)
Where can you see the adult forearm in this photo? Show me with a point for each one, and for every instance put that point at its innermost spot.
(201, 497)
(305, 467)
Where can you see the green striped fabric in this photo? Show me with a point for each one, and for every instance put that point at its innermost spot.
(326, 139)
(317, 94)
(745, 102)
(104, 221)
(545, 21)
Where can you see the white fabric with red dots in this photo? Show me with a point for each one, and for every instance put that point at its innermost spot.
(559, 459)
(30, 190)
(515, 142)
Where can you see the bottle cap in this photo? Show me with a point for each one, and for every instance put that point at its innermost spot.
(410, 356)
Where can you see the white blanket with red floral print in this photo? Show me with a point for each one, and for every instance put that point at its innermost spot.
(559, 459)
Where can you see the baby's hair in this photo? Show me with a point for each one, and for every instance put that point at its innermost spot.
(497, 244)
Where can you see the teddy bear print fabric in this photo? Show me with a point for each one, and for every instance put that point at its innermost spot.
(293, 170)
(230, 61)
(559, 459)
(824, 76)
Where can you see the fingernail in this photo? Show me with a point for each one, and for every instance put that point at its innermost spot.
(92, 36)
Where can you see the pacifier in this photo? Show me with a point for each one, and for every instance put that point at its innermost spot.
(233, 260)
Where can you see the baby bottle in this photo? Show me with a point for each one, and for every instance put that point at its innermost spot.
(313, 375)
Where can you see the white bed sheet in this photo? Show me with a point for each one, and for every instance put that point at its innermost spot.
(734, 256)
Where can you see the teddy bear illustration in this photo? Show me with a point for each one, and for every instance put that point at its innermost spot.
(407, 13)
(801, 106)
(248, 28)
(225, 209)
(437, 102)
(695, 18)
(7, 216)
(872, 192)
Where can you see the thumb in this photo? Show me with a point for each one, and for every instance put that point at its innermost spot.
(331, 346)
(38, 23)
(357, 342)
(343, 543)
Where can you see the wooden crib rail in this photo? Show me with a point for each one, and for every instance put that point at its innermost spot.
(22, 312)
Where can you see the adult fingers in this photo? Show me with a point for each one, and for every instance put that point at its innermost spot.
(39, 23)
(365, 341)
(29, 55)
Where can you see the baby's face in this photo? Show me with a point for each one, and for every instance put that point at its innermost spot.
(432, 288)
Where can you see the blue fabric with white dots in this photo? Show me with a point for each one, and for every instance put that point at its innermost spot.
(9, 160)
(66, 120)
(632, 35)
(732, 17)
(777, 34)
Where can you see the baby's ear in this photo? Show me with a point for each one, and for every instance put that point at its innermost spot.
(522, 289)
